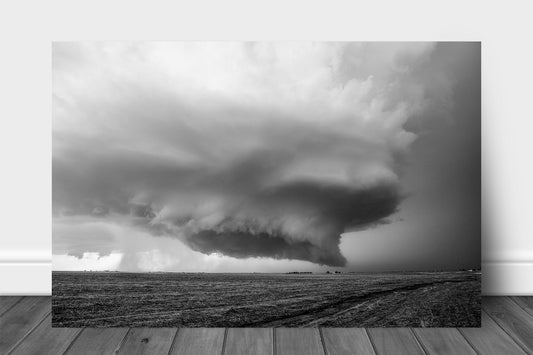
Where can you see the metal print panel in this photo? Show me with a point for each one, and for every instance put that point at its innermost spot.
(266, 184)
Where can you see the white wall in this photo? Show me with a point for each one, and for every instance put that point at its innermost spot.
(28, 27)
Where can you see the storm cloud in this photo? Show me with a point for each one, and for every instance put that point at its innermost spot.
(269, 150)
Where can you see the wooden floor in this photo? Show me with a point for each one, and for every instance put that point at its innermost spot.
(507, 329)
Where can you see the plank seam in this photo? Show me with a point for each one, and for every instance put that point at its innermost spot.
(173, 341)
(368, 336)
(274, 345)
(517, 341)
(324, 349)
(524, 313)
(73, 340)
(504, 333)
(123, 341)
(468, 341)
(419, 342)
(28, 333)
(13, 305)
(519, 305)
(224, 341)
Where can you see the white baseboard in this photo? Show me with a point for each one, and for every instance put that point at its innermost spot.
(34, 278)
(26, 278)
(502, 278)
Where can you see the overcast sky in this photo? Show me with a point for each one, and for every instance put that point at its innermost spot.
(266, 157)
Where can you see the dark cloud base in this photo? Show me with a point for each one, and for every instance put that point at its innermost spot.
(246, 245)
(332, 209)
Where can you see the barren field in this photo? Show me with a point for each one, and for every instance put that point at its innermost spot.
(113, 299)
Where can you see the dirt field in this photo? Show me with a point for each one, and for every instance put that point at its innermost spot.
(112, 299)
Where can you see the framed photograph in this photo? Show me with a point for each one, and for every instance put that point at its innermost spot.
(266, 184)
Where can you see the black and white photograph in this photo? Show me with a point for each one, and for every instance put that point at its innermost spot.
(266, 184)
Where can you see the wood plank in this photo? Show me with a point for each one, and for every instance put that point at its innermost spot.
(98, 341)
(394, 341)
(148, 341)
(526, 302)
(513, 319)
(45, 340)
(509, 322)
(490, 339)
(443, 341)
(6, 302)
(20, 319)
(244, 341)
(344, 341)
(208, 341)
(298, 341)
